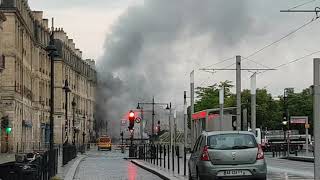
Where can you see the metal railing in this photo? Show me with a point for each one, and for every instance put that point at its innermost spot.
(69, 153)
(173, 158)
(40, 166)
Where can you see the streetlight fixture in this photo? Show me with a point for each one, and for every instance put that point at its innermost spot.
(73, 121)
(153, 103)
(67, 124)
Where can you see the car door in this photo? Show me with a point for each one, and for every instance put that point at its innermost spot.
(193, 157)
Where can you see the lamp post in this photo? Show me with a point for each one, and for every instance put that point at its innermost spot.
(84, 129)
(66, 91)
(73, 121)
(52, 53)
(153, 103)
(287, 91)
(284, 127)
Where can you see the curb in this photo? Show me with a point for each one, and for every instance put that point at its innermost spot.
(150, 170)
(303, 159)
(72, 171)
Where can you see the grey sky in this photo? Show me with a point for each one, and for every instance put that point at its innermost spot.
(151, 48)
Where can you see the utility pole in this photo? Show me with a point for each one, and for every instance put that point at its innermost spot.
(238, 91)
(153, 114)
(192, 107)
(253, 103)
(221, 103)
(185, 124)
(170, 125)
(141, 124)
(174, 134)
(316, 116)
(238, 84)
(245, 119)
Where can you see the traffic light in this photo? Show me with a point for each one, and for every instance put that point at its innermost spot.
(158, 127)
(131, 120)
(5, 124)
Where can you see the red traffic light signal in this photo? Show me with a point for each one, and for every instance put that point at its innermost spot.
(131, 115)
(131, 119)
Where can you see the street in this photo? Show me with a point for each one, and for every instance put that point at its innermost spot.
(106, 165)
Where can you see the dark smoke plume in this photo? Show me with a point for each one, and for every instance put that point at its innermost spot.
(140, 60)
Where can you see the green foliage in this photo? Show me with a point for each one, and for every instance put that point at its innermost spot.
(269, 110)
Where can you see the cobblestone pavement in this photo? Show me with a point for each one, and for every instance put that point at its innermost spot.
(103, 165)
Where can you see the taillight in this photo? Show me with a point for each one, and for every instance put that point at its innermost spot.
(260, 154)
(205, 154)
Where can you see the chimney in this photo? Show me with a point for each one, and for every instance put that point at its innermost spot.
(38, 15)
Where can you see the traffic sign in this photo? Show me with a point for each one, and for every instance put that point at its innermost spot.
(138, 119)
(307, 126)
(299, 119)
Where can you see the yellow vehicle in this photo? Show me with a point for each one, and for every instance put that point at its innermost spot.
(104, 142)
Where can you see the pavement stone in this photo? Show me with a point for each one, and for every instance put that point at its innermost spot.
(5, 157)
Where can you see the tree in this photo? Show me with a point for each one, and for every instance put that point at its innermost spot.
(208, 97)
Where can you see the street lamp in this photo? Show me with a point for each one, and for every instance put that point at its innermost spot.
(73, 121)
(67, 124)
(153, 103)
(84, 129)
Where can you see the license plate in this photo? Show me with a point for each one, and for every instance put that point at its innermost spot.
(234, 173)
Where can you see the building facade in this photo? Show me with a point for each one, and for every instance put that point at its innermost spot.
(75, 107)
(25, 81)
(2, 66)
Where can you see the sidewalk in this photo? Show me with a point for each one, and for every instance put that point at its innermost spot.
(297, 168)
(5, 157)
(164, 173)
(68, 171)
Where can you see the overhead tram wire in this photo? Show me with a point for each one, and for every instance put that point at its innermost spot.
(271, 44)
(221, 61)
(284, 37)
(305, 3)
(293, 61)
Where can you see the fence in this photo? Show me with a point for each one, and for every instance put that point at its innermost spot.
(41, 167)
(173, 158)
(279, 150)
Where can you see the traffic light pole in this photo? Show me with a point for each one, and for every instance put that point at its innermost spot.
(316, 117)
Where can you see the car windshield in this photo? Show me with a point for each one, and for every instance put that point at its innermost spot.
(104, 140)
(232, 141)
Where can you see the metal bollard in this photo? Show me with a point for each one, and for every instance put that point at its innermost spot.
(164, 156)
(168, 156)
(178, 158)
(185, 162)
(160, 156)
(157, 152)
(172, 158)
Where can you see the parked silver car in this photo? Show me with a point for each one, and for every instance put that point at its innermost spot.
(227, 155)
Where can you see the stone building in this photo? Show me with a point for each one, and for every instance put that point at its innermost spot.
(81, 77)
(25, 81)
(2, 66)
